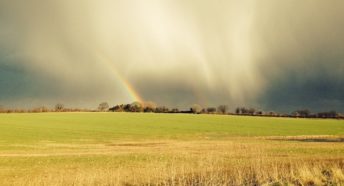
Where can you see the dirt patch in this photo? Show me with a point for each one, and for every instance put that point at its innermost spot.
(321, 139)
(335, 140)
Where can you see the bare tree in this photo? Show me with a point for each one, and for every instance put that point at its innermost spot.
(161, 109)
(330, 114)
(39, 109)
(211, 110)
(304, 113)
(59, 107)
(175, 110)
(238, 111)
(222, 109)
(103, 106)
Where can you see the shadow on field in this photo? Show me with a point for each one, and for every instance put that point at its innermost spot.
(324, 140)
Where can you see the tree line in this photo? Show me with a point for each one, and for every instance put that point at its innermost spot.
(302, 113)
(221, 109)
(41, 109)
(151, 107)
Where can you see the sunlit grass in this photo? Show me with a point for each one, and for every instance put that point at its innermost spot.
(163, 149)
(60, 127)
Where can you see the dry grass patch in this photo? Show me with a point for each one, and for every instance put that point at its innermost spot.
(235, 161)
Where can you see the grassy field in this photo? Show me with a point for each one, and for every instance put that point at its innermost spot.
(168, 149)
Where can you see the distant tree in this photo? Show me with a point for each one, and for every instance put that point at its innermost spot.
(241, 110)
(330, 114)
(196, 109)
(117, 108)
(222, 109)
(244, 110)
(251, 111)
(39, 109)
(162, 109)
(333, 114)
(302, 113)
(103, 106)
(174, 110)
(149, 106)
(211, 110)
(238, 111)
(271, 113)
(136, 107)
(45, 109)
(19, 110)
(260, 113)
(59, 107)
(148, 109)
(126, 107)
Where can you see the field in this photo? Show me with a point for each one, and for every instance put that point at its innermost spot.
(169, 149)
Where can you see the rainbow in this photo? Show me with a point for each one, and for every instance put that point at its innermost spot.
(131, 91)
(129, 88)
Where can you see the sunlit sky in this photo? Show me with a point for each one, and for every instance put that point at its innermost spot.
(268, 54)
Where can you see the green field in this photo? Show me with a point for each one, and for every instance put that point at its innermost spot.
(168, 149)
(68, 127)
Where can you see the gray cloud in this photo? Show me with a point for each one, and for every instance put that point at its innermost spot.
(302, 55)
(271, 54)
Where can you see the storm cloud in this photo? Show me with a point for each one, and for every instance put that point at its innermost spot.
(275, 55)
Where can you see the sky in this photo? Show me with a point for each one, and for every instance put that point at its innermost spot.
(268, 54)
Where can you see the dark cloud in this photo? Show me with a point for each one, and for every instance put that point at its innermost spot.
(302, 55)
(320, 91)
